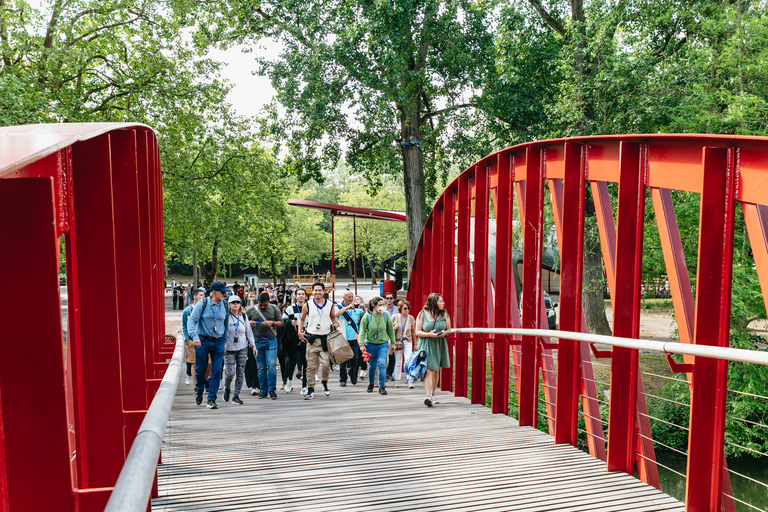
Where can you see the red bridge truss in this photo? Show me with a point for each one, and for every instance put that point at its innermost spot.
(723, 170)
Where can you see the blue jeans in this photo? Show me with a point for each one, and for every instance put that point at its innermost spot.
(216, 349)
(266, 362)
(379, 355)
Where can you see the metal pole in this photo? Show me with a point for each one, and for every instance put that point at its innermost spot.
(194, 269)
(333, 249)
(354, 251)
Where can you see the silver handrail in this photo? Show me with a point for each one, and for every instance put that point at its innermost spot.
(666, 347)
(134, 485)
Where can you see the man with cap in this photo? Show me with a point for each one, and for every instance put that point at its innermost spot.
(190, 347)
(264, 319)
(209, 329)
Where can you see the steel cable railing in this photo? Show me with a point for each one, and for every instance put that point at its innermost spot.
(134, 485)
(726, 353)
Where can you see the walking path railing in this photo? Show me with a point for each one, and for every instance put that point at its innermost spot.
(134, 485)
(665, 347)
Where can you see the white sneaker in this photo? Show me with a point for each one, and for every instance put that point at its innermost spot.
(288, 387)
(303, 391)
(363, 374)
(188, 380)
(327, 392)
(335, 367)
(434, 399)
(397, 383)
(254, 392)
(410, 385)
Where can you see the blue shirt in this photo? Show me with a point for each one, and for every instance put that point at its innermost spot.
(355, 314)
(212, 322)
(184, 319)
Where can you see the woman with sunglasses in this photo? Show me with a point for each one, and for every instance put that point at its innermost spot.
(404, 325)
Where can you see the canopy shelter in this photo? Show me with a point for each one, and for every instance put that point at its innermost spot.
(353, 212)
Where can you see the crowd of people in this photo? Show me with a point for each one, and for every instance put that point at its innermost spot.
(288, 328)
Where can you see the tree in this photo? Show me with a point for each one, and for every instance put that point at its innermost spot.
(221, 199)
(307, 242)
(376, 240)
(387, 81)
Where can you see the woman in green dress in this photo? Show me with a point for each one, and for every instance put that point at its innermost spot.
(432, 326)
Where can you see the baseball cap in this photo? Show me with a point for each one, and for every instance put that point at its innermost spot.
(218, 286)
(234, 298)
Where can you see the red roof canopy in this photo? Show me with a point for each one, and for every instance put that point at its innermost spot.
(338, 210)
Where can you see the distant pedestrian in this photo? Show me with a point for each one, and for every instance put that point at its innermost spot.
(432, 326)
(295, 349)
(377, 332)
(175, 293)
(209, 330)
(239, 342)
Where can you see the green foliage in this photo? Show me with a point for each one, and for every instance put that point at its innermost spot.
(747, 401)
(671, 427)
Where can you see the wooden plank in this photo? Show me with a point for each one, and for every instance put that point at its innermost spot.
(360, 451)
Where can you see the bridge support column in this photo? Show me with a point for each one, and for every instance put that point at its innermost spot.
(626, 316)
(531, 296)
(480, 283)
(35, 474)
(93, 341)
(503, 283)
(463, 275)
(712, 327)
(447, 288)
(574, 188)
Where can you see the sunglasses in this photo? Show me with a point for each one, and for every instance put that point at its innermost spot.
(406, 307)
(390, 298)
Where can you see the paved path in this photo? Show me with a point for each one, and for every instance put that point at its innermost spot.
(358, 451)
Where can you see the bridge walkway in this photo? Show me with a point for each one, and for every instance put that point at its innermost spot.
(360, 451)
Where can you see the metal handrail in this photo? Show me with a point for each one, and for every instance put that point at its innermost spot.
(134, 485)
(666, 347)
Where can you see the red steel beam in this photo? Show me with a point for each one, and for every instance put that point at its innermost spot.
(626, 315)
(503, 279)
(711, 327)
(34, 446)
(532, 254)
(463, 276)
(480, 282)
(571, 267)
(448, 223)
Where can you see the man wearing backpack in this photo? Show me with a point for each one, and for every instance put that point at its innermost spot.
(350, 315)
(209, 329)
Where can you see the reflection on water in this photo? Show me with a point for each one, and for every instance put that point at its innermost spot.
(751, 492)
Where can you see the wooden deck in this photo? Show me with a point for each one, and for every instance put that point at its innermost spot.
(359, 451)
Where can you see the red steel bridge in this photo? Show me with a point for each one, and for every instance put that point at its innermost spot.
(95, 435)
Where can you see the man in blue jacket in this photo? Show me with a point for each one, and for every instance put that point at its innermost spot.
(208, 327)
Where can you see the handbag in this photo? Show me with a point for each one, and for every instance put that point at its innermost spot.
(399, 345)
(339, 350)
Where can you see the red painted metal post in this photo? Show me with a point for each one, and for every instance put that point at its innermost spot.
(626, 316)
(712, 327)
(571, 266)
(34, 447)
(436, 263)
(502, 282)
(333, 250)
(531, 296)
(463, 275)
(447, 288)
(125, 194)
(93, 344)
(480, 283)
(354, 251)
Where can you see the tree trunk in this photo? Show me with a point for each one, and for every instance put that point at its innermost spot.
(362, 265)
(373, 270)
(593, 290)
(413, 172)
(210, 276)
